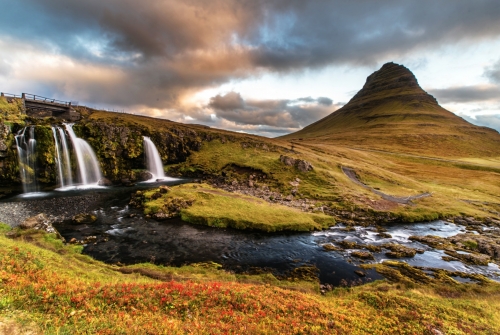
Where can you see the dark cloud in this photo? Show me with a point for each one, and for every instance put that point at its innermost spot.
(275, 113)
(493, 72)
(162, 50)
(491, 121)
(466, 93)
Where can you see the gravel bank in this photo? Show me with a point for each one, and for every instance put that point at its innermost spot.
(61, 208)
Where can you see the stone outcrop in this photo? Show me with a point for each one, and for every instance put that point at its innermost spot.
(301, 165)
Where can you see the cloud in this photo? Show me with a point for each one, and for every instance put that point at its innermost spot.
(293, 114)
(466, 94)
(491, 121)
(493, 72)
(160, 51)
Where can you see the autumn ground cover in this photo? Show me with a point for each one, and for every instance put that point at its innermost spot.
(49, 288)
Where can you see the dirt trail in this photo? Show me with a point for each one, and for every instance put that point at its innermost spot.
(401, 200)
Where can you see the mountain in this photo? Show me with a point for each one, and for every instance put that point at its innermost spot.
(392, 112)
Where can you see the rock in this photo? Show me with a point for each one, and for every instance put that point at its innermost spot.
(104, 182)
(73, 241)
(384, 235)
(362, 254)
(144, 175)
(40, 222)
(287, 160)
(373, 248)
(472, 258)
(349, 245)
(399, 251)
(126, 182)
(330, 247)
(289, 198)
(304, 166)
(164, 189)
(84, 218)
(360, 273)
(250, 183)
(36, 222)
(156, 195)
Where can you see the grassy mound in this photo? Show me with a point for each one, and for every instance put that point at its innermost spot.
(218, 208)
(51, 289)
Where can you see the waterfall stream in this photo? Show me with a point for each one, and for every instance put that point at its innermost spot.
(88, 165)
(62, 157)
(26, 150)
(153, 160)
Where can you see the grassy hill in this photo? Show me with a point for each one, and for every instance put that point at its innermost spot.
(391, 112)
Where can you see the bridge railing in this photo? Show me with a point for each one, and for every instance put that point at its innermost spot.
(44, 99)
(9, 95)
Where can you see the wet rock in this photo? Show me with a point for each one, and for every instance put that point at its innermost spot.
(469, 258)
(126, 182)
(373, 248)
(362, 254)
(330, 247)
(349, 245)
(399, 251)
(384, 235)
(84, 218)
(360, 273)
(104, 182)
(431, 240)
(144, 175)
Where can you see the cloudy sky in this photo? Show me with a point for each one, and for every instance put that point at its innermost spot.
(261, 66)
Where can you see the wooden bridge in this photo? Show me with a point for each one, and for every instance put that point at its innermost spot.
(36, 105)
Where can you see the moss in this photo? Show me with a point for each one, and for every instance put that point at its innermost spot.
(202, 204)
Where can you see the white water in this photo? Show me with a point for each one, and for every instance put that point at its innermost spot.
(88, 166)
(26, 151)
(66, 157)
(153, 160)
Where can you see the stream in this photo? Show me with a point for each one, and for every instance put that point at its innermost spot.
(124, 235)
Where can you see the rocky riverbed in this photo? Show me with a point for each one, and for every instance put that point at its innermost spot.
(13, 212)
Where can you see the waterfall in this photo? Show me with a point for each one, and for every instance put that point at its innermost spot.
(62, 157)
(26, 151)
(153, 161)
(88, 166)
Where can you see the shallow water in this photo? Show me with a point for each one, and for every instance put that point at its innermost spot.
(124, 235)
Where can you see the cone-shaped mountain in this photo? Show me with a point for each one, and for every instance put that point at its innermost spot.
(392, 112)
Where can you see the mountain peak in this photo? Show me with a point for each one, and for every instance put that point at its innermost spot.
(389, 81)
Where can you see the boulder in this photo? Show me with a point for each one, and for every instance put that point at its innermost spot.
(362, 254)
(164, 189)
(303, 166)
(104, 182)
(144, 175)
(84, 218)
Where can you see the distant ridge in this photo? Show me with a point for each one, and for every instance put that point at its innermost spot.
(392, 112)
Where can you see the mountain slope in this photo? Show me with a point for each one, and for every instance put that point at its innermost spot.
(392, 112)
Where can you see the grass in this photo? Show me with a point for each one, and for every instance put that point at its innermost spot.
(217, 208)
(11, 112)
(58, 291)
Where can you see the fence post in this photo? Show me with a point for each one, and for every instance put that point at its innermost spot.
(23, 95)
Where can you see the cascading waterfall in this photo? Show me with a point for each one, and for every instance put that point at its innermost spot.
(88, 166)
(153, 161)
(26, 150)
(62, 157)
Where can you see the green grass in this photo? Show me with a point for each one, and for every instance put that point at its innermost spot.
(223, 209)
